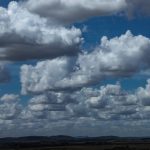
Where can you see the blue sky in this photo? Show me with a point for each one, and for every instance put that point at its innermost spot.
(4, 2)
(51, 81)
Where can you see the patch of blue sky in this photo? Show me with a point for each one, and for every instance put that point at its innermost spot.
(115, 26)
(5, 3)
(112, 26)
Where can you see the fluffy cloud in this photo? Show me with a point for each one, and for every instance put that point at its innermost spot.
(9, 98)
(118, 57)
(69, 11)
(46, 73)
(9, 107)
(108, 102)
(86, 108)
(50, 106)
(63, 103)
(111, 102)
(144, 94)
(24, 36)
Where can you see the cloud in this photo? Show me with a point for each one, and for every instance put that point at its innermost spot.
(4, 73)
(47, 106)
(121, 56)
(109, 102)
(118, 57)
(138, 7)
(69, 11)
(66, 12)
(88, 108)
(45, 73)
(9, 98)
(9, 107)
(63, 97)
(25, 36)
(144, 94)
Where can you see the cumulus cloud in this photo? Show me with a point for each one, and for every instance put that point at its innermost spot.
(86, 108)
(108, 102)
(9, 98)
(111, 102)
(118, 57)
(45, 73)
(47, 106)
(144, 94)
(63, 96)
(26, 36)
(69, 11)
(9, 107)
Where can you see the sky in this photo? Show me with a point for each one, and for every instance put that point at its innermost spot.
(79, 68)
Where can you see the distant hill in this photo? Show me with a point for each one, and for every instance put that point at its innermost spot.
(62, 140)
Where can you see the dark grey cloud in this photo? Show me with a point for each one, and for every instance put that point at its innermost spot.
(4, 73)
(138, 7)
(66, 12)
(69, 11)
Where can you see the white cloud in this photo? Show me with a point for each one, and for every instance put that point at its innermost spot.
(122, 55)
(108, 102)
(118, 57)
(24, 36)
(69, 11)
(45, 75)
(144, 94)
(87, 108)
(9, 107)
(9, 98)
(63, 100)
